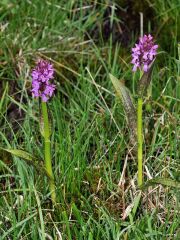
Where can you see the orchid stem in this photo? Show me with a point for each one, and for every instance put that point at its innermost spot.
(47, 152)
(140, 141)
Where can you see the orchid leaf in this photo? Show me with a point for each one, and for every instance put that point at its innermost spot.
(145, 81)
(30, 159)
(21, 154)
(129, 108)
(163, 181)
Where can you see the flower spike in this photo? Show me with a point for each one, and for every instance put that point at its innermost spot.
(144, 53)
(41, 76)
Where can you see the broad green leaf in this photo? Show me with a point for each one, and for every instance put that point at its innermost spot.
(30, 159)
(129, 108)
(21, 154)
(163, 181)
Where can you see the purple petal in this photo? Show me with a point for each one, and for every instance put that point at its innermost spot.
(134, 68)
(44, 98)
(145, 68)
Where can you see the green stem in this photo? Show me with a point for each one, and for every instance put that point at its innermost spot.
(47, 152)
(140, 141)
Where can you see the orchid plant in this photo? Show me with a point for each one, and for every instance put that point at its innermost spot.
(42, 87)
(143, 56)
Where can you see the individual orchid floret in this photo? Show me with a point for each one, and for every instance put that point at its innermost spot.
(42, 75)
(144, 53)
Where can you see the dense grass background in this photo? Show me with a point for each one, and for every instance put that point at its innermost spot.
(94, 167)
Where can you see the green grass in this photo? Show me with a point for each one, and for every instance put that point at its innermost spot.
(90, 134)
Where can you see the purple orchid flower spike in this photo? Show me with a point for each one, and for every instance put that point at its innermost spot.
(144, 53)
(41, 84)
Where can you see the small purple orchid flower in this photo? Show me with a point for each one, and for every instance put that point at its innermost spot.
(144, 53)
(41, 76)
